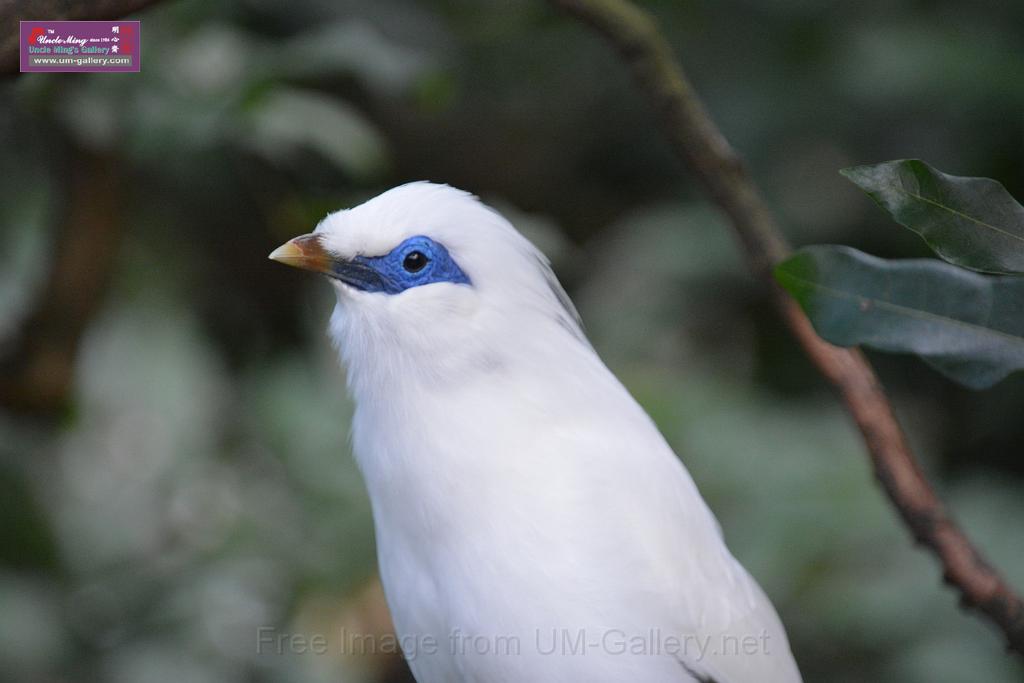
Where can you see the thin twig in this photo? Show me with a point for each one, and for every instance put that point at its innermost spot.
(695, 138)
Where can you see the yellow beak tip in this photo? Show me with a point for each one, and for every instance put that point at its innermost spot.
(306, 252)
(286, 253)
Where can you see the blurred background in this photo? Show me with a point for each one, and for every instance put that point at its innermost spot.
(174, 460)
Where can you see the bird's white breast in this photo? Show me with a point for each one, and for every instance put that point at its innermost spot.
(527, 504)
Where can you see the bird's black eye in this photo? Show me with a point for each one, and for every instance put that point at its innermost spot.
(414, 262)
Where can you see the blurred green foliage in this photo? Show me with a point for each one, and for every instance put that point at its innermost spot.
(198, 485)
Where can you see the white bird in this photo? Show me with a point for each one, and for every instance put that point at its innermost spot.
(532, 524)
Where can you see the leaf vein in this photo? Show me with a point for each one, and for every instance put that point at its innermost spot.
(910, 312)
(963, 215)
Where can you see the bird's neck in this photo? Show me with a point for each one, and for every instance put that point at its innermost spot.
(422, 414)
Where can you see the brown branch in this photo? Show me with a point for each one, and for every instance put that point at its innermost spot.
(37, 366)
(13, 11)
(695, 138)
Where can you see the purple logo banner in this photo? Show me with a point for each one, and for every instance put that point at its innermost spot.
(81, 46)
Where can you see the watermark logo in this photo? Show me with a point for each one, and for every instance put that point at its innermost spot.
(553, 642)
(103, 46)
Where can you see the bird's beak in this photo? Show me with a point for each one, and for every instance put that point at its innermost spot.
(306, 252)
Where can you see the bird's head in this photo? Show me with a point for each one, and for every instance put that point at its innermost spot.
(427, 275)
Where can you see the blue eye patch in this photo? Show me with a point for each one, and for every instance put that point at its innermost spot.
(417, 261)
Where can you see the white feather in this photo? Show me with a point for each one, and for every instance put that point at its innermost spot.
(519, 492)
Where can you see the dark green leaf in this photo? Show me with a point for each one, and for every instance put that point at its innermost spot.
(968, 326)
(972, 222)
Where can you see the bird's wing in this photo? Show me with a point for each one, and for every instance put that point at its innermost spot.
(753, 647)
(596, 520)
(685, 582)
